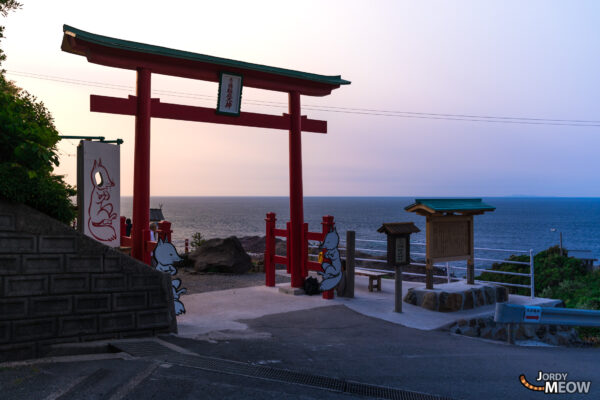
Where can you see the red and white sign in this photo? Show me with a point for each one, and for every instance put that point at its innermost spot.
(98, 191)
(230, 94)
(532, 314)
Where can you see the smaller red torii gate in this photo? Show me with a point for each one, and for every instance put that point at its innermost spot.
(148, 59)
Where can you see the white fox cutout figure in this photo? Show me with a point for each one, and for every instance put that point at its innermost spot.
(100, 210)
(332, 262)
(165, 255)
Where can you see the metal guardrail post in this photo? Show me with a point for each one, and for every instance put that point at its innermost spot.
(531, 273)
(350, 262)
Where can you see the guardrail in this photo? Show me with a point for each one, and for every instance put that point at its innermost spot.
(513, 313)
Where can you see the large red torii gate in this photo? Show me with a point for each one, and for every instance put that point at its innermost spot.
(147, 59)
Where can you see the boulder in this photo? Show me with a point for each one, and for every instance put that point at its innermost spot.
(490, 294)
(450, 301)
(540, 332)
(501, 294)
(411, 297)
(479, 297)
(221, 255)
(500, 334)
(256, 245)
(430, 301)
(468, 304)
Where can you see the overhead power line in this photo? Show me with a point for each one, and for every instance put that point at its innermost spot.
(334, 109)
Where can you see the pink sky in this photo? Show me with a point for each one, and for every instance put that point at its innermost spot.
(537, 59)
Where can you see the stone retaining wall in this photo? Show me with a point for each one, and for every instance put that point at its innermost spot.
(58, 286)
(487, 328)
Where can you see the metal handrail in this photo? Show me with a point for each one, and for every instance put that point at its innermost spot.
(495, 272)
(502, 261)
(449, 267)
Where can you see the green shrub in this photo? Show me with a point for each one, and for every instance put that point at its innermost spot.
(197, 240)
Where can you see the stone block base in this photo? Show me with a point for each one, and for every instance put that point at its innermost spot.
(456, 296)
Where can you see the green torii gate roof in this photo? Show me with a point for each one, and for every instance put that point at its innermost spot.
(465, 206)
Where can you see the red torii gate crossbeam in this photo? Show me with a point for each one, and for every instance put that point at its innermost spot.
(147, 59)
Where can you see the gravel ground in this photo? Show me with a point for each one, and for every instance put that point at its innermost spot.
(210, 282)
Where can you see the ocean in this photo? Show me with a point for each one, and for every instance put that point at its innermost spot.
(517, 224)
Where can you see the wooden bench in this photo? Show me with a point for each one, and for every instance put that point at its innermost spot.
(372, 277)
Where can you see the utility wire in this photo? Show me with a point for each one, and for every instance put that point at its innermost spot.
(335, 109)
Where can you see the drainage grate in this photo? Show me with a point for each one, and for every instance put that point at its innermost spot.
(150, 348)
(300, 378)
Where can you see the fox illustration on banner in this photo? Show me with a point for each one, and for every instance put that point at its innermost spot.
(100, 212)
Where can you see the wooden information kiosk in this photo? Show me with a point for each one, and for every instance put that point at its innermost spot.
(449, 231)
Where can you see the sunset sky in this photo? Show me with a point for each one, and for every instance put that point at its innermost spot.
(535, 59)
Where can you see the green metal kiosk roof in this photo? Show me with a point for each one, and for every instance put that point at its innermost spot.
(450, 205)
(148, 49)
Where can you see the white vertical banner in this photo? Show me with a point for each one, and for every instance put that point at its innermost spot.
(98, 191)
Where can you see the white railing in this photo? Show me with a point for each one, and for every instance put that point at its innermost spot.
(450, 268)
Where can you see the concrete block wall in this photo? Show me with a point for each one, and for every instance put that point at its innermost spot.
(59, 286)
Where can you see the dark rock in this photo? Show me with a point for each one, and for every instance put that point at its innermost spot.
(411, 297)
(525, 331)
(221, 255)
(473, 332)
(563, 338)
(487, 333)
(540, 332)
(256, 244)
(501, 294)
(479, 297)
(429, 301)
(490, 294)
(450, 301)
(468, 304)
(500, 334)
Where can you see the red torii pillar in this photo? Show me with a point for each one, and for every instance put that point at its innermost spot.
(141, 165)
(296, 196)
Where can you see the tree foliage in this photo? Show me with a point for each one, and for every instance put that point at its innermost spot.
(28, 152)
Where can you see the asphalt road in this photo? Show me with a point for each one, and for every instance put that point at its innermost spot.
(328, 341)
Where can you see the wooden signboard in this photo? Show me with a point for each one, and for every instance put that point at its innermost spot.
(450, 238)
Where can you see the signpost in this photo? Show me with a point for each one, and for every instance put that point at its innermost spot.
(398, 252)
